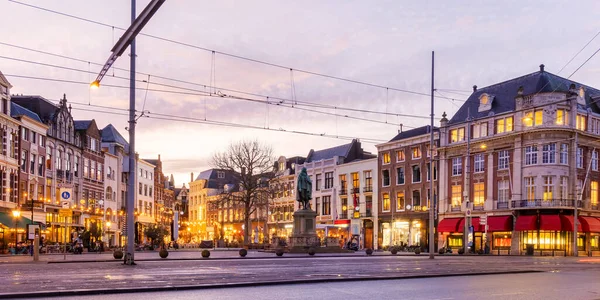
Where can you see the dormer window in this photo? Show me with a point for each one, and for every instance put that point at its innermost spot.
(220, 174)
(281, 166)
(485, 102)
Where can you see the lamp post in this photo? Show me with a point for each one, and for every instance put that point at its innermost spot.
(16, 214)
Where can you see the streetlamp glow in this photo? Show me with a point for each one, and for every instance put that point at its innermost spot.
(95, 84)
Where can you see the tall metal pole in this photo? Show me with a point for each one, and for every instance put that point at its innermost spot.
(431, 175)
(132, 167)
(467, 185)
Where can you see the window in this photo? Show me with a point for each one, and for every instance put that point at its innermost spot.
(564, 187)
(343, 185)
(548, 187)
(59, 160)
(416, 152)
(457, 166)
(92, 169)
(581, 122)
(32, 164)
(386, 158)
(355, 180)
(456, 195)
(368, 180)
(86, 167)
(140, 187)
(594, 192)
(595, 126)
(416, 199)
(49, 159)
(416, 173)
(145, 190)
(503, 191)
(318, 182)
(400, 155)
(385, 204)
(480, 130)
(595, 160)
(25, 133)
(326, 205)
(33, 137)
(24, 156)
(478, 193)
(220, 174)
(504, 125)
(429, 171)
(539, 117)
(530, 188)
(400, 201)
(533, 118)
(530, 155)
(579, 157)
(564, 154)
(562, 117)
(386, 177)
(150, 191)
(400, 175)
(479, 163)
(146, 174)
(328, 180)
(549, 154)
(503, 159)
(99, 172)
(41, 166)
(457, 135)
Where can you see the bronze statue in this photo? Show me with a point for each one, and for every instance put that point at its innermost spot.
(304, 189)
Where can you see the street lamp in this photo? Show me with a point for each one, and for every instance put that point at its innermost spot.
(16, 214)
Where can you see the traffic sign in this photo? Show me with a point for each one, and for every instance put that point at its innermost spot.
(64, 212)
(65, 194)
(468, 212)
(65, 204)
(483, 220)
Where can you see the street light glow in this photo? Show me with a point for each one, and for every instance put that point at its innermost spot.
(95, 84)
(16, 213)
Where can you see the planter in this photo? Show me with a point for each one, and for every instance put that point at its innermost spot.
(461, 251)
(205, 253)
(118, 254)
(369, 251)
(163, 253)
(441, 251)
(394, 251)
(279, 252)
(243, 252)
(312, 251)
(417, 251)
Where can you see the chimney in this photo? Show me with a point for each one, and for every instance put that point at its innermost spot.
(159, 157)
(192, 177)
(474, 88)
(542, 68)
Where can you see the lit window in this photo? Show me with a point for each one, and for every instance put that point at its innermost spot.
(386, 202)
(400, 155)
(504, 125)
(562, 117)
(456, 195)
(416, 152)
(386, 158)
(457, 135)
(478, 193)
(581, 122)
(539, 117)
(594, 192)
(400, 201)
(530, 188)
(548, 187)
(480, 130)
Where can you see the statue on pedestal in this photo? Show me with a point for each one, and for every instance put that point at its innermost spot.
(304, 189)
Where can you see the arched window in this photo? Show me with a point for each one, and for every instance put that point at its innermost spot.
(109, 194)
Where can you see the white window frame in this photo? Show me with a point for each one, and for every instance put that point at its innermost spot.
(529, 188)
(531, 155)
(457, 166)
(595, 160)
(479, 163)
(564, 154)
(549, 154)
(547, 188)
(503, 159)
(503, 191)
(579, 160)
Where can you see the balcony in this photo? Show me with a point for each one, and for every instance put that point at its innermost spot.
(540, 203)
(368, 189)
(356, 190)
(362, 215)
(343, 216)
(502, 205)
(342, 192)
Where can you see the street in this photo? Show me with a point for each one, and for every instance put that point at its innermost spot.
(547, 285)
(87, 278)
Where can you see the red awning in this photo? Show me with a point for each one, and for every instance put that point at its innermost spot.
(449, 225)
(567, 223)
(590, 224)
(551, 222)
(525, 223)
(500, 223)
(474, 221)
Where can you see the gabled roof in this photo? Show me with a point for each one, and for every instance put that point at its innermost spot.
(111, 135)
(38, 104)
(152, 161)
(82, 124)
(213, 180)
(504, 94)
(328, 153)
(17, 110)
(413, 133)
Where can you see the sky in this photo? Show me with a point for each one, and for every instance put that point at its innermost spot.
(385, 43)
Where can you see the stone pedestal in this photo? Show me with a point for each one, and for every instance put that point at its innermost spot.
(304, 236)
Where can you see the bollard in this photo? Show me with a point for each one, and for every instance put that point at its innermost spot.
(36, 248)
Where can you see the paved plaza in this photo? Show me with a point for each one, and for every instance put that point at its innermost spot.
(99, 273)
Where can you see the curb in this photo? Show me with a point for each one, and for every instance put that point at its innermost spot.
(84, 292)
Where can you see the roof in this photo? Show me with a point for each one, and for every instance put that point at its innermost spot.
(413, 133)
(328, 153)
(38, 104)
(213, 182)
(17, 110)
(82, 125)
(504, 94)
(4, 81)
(111, 135)
(152, 161)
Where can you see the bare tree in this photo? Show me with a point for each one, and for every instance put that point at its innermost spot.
(253, 162)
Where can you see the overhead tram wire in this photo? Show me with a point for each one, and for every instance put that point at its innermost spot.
(302, 103)
(168, 117)
(224, 53)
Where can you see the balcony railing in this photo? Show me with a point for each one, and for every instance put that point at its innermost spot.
(342, 192)
(343, 216)
(502, 204)
(368, 189)
(362, 215)
(536, 203)
(356, 190)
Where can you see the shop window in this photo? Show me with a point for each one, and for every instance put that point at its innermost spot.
(455, 241)
(502, 240)
(595, 242)
(546, 240)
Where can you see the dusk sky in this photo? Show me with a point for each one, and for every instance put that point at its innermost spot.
(387, 43)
